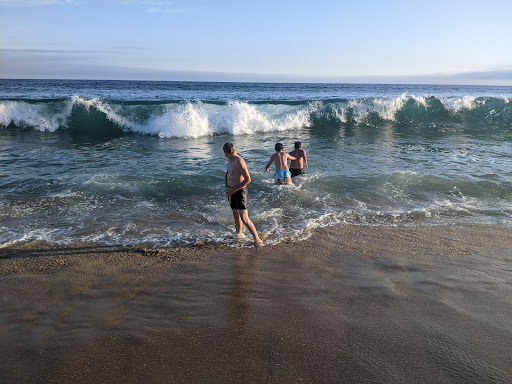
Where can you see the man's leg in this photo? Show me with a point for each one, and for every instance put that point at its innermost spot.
(238, 222)
(244, 215)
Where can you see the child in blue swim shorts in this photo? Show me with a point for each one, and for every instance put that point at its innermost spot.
(280, 159)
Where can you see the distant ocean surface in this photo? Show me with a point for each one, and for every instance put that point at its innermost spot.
(130, 162)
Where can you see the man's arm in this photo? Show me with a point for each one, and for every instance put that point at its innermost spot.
(291, 157)
(245, 174)
(305, 159)
(269, 163)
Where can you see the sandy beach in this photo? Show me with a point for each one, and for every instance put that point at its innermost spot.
(355, 304)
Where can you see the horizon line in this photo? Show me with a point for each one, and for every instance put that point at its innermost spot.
(257, 81)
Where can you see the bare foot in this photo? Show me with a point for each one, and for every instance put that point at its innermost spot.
(263, 235)
(258, 243)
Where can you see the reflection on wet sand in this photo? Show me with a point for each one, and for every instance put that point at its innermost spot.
(240, 300)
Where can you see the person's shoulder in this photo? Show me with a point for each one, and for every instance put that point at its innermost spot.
(241, 161)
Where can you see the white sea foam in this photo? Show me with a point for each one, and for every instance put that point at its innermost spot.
(20, 238)
(189, 119)
(458, 103)
(193, 119)
(387, 108)
(112, 112)
(196, 119)
(361, 109)
(37, 115)
(420, 100)
(52, 116)
(182, 120)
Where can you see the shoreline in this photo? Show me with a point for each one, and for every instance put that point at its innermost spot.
(349, 304)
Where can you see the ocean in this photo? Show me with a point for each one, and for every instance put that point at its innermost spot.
(133, 162)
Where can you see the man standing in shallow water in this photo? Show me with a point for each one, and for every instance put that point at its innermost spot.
(236, 180)
(296, 166)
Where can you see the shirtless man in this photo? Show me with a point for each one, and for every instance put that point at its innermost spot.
(236, 180)
(280, 159)
(296, 166)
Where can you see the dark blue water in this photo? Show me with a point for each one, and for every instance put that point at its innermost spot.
(178, 91)
(123, 162)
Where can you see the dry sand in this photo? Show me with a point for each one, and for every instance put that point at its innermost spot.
(351, 304)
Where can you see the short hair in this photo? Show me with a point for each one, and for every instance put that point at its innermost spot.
(229, 148)
(279, 146)
(298, 144)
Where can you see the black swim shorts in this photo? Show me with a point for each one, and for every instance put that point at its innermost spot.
(297, 171)
(238, 200)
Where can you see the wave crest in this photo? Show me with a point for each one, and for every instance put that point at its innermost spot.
(99, 117)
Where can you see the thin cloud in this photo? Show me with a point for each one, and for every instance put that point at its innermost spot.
(160, 7)
(37, 3)
(47, 51)
(496, 74)
(154, 6)
(70, 64)
(153, 3)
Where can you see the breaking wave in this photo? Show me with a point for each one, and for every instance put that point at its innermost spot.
(194, 118)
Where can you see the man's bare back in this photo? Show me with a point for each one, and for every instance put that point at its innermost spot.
(300, 155)
(280, 159)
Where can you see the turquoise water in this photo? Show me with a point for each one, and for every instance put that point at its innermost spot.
(142, 162)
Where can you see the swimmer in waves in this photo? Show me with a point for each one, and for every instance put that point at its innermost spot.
(280, 159)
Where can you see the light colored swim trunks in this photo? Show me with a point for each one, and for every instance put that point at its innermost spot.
(283, 176)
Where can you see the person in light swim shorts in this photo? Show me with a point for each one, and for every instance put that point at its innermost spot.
(297, 166)
(280, 159)
(236, 180)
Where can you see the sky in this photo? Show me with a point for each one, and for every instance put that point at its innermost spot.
(413, 41)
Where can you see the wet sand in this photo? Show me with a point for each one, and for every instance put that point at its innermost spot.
(351, 304)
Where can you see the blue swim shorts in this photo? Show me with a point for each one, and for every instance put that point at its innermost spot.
(283, 176)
